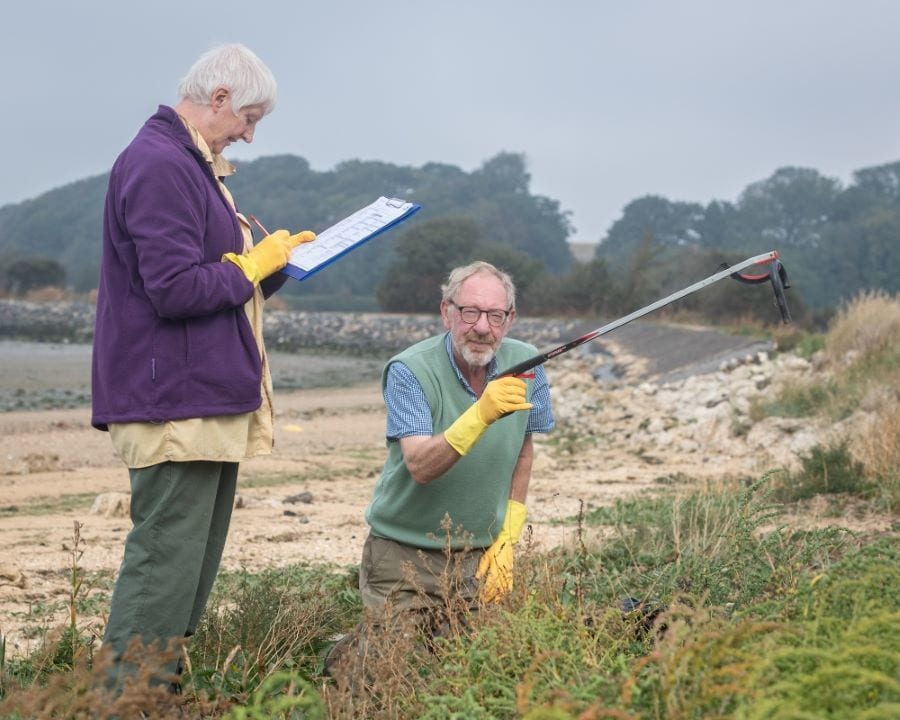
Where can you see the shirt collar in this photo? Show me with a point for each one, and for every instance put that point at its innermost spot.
(491, 367)
(220, 166)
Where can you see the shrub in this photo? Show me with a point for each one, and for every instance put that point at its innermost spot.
(829, 649)
(258, 625)
(711, 544)
(862, 352)
(825, 470)
(877, 446)
(869, 324)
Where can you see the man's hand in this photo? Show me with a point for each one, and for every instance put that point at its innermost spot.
(269, 255)
(496, 566)
(501, 397)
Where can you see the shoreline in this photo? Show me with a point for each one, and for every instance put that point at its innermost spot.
(52, 375)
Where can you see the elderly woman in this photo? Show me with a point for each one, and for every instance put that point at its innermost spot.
(180, 377)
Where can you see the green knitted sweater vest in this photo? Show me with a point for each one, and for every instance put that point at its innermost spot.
(468, 502)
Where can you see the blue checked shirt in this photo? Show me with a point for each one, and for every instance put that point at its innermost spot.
(408, 412)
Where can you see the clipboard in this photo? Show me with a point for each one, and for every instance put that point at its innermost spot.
(347, 235)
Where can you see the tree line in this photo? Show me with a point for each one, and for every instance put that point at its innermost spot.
(834, 240)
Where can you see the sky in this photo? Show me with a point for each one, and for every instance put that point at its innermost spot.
(607, 100)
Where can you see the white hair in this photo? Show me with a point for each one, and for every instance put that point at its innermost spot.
(459, 275)
(236, 68)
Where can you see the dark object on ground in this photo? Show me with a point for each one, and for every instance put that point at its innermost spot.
(643, 613)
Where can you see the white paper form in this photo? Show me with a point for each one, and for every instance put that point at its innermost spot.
(348, 234)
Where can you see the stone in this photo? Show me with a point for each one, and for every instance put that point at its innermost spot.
(112, 505)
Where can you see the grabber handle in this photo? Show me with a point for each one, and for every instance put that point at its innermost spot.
(524, 366)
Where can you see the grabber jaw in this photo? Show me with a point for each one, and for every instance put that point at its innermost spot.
(777, 275)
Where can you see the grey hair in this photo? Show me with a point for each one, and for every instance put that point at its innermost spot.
(459, 275)
(236, 68)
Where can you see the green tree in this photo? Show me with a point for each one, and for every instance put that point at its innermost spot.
(585, 290)
(424, 256)
(21, 275)
(525, 271)
(643, 279)
(790, 209)
(880, 181)
(510, 215)
(670, 225)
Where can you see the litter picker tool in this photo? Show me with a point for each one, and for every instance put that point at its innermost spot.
(776, 275)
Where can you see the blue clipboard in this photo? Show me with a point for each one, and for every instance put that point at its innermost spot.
(347, 235)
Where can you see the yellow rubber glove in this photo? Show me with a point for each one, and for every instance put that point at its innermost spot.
(269, 255)
(501, 397)
(496, 565)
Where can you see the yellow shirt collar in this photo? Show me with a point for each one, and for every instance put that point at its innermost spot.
(220, 166)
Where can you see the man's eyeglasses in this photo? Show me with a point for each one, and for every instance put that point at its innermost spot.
(471, 315)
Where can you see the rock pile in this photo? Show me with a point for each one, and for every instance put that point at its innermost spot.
(707, 416)
(62, 322)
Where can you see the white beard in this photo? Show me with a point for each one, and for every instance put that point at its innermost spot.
(480, 357)
(477, 358)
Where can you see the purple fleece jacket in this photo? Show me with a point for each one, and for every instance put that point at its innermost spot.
(171, 339)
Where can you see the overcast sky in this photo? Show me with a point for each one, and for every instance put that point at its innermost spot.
(608, 100)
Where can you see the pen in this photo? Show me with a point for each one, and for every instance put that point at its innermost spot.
(259, 224)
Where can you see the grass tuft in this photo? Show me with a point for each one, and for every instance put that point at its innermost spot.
(825, 470)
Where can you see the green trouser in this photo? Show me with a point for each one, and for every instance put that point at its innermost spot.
(180, 513)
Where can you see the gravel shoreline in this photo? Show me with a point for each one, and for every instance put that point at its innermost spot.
(45, 348)
(363, 334)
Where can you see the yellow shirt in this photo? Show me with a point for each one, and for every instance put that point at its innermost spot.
(223, 438)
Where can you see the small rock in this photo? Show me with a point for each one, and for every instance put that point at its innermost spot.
(304, 497)
(112, 504)
(11, 575)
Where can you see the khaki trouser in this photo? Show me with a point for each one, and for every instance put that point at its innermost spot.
(180, 513)
(394, 578)
(410, 596)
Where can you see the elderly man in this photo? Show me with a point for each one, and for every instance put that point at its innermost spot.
(180, 377)
(459, 456)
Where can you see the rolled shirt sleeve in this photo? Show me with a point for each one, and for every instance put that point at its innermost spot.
(408, 413)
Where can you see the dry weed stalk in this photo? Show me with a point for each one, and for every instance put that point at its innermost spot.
(89, 692)
(76, 579)
(877, 447)
(868, 324)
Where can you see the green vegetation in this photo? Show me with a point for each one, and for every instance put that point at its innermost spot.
(859, 365)
(741, 618)
(260, 626)
(835, 241)
(49, 505)
(23, 274)
(825, 470)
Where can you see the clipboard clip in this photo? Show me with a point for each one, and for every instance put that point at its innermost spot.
(395, 202)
